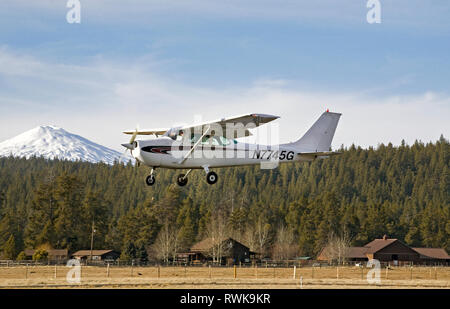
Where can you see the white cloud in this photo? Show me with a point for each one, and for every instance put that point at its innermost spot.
(100, 99)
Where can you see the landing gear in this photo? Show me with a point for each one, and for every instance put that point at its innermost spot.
(182, 180)
(211, 178)
(150, 180)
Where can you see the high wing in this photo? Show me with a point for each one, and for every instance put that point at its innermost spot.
(255, 119)
(147, 132)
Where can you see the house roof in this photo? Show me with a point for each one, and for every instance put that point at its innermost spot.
(207, 243)
(94, 252)
(357, 252)
(434, 253)
(51, 252)
(378, 244)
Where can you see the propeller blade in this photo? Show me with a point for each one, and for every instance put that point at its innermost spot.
(133, 137)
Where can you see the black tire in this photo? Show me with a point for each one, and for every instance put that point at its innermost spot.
(150, 180)
(211, 178)
(181, 180)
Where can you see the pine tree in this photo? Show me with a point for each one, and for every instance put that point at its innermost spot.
(9, 248)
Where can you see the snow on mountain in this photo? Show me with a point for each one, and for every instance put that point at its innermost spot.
(52, 142)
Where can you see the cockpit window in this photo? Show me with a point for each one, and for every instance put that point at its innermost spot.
(213, 140)
(174, 133)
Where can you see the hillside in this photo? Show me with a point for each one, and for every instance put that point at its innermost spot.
(399, 191)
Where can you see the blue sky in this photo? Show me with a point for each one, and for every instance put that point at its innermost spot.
(158, 63)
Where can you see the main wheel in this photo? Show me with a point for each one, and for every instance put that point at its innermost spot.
(150, 180)
(181, 180)
(211, 178)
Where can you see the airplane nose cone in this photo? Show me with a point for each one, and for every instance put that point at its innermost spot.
(128, 146)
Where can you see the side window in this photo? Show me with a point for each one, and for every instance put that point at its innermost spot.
(205, 139)
(194, 138)
(224, 141)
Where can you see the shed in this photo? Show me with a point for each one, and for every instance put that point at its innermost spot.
(97, 255)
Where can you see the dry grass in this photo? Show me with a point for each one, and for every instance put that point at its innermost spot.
(205, 277)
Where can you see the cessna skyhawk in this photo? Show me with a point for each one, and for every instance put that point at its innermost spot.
(213, 144)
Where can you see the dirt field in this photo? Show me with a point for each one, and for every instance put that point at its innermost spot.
(222, 277)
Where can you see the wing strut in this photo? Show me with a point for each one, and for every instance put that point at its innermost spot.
(195, 146)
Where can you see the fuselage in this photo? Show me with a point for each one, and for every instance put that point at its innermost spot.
(168, 153)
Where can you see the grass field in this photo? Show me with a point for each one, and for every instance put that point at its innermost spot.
(222, 277)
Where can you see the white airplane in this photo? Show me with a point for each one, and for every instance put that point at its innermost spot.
(213, 144)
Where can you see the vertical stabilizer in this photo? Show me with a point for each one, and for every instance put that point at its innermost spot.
(318, 138)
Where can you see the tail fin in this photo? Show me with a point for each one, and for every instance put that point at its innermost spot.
(318, 138)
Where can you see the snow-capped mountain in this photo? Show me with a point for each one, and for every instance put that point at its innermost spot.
(52, 142)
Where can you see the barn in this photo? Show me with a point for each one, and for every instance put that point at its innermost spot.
(54, 255)
(233, 252)
(97, 255)
(392, 251)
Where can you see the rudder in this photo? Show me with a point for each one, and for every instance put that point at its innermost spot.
(319, 137)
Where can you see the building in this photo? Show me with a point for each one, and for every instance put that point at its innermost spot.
(54, 255)
(231, 251)
(394, 252)
(433, 256)
(97, 255)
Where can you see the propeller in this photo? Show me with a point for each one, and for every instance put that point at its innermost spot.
(131, 145)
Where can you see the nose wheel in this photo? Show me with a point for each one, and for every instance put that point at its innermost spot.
(150, 180)
(182, 180)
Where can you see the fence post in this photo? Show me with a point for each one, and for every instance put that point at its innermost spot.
(26, 271)
(210, 274)
(312, 272)
(256, 271)
(107, 270)
(362, 273)
(295, 269)
(132, 264)
(301, 282)
(234, 267)
(55, 271)
(159, 274)
(185, 271)
(435, 273)
(410, 272)
(337, 272)
(387, 270)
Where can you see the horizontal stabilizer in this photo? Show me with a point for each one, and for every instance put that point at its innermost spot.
(320, 153)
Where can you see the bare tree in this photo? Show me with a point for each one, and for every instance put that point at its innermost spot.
(166, 244)
(216, 231)
(338, 247)
(284, 247)
(262, 230)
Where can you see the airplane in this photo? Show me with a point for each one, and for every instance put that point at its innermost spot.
(213, 144)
